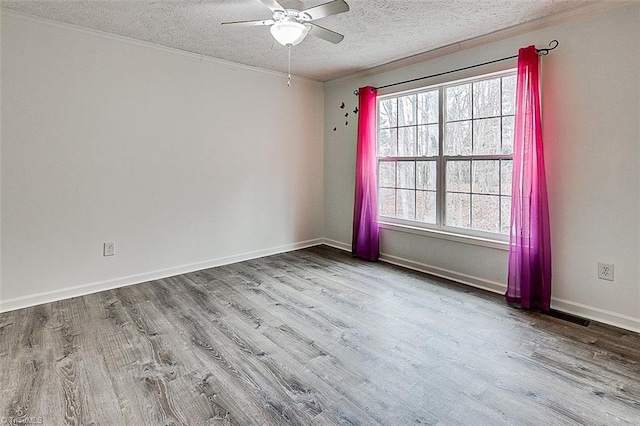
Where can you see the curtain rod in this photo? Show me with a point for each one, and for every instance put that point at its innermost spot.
(552, 45)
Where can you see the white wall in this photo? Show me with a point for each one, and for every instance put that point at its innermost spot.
(184, 163)
(187, 163)
(591, 108)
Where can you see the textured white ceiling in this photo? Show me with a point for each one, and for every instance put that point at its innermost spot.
(376, 31)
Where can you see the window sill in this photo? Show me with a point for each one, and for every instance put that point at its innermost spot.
(445, 235)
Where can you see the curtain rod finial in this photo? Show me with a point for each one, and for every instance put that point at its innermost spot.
(355, 92)
(552, 45)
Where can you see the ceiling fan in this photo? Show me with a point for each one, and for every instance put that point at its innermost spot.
(290, 26)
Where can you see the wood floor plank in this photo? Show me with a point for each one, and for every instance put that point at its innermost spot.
(312, 337)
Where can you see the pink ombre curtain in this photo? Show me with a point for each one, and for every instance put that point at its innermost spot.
(365, 213)
(529, 281)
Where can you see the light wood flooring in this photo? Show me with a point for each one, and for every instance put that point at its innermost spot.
(312, 337)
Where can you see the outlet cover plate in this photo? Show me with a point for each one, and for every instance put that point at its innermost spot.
(109, 248)
(605, 271)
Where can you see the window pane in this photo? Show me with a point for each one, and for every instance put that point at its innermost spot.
(507, 135)
(407, 141)
(459, 176)
(387, 174)
(469, 139)
(407, 110)
(387, 143)
(509, 95)
(506, 174)
(426, 206)
(426, 175)
(428, 140)
(486, 177)
(428, 107)
(458, 102)
(406, 174)
(406, 202)
(458, 210)
(387, 202)
(486, 136)
(505, 208)
(485, 213)
(388, 114)
(457, 139)
(486, 98)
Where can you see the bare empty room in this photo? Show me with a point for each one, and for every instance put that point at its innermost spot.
(319, 212)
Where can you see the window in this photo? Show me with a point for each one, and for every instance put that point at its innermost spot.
(445, 155)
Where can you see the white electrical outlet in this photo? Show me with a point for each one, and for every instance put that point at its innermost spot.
(605, 271)
(109, 249)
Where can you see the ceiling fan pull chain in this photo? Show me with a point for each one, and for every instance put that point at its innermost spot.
(289, 79)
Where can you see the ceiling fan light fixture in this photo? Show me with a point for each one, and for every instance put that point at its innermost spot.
(289, 33)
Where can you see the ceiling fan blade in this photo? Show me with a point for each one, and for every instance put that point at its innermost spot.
(325, 34)
(327, 9)
(250, 23)
(273, 5)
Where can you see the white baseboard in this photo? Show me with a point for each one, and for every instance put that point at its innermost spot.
(337, 244)
(574, 308)
(481, 283)
(596, 314)
(567, 306)
(491, 286)
(81, 290)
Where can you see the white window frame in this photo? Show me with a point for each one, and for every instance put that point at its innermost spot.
(440, 230)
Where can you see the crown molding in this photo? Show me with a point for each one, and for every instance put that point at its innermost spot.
(172, 50)
(572, 15)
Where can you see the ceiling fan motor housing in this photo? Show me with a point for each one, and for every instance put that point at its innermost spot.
(291, 23)
(291, 15)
